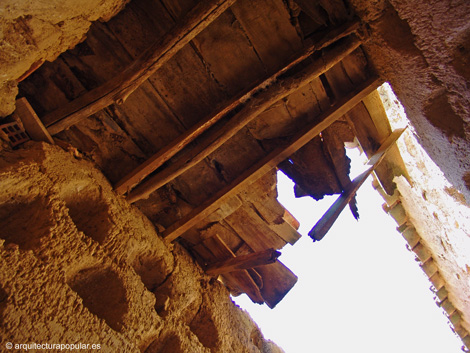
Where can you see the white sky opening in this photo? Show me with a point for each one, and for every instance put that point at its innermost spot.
(359, 290)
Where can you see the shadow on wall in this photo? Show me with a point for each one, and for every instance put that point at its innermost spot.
(172, 343)
(88, 211)
(25, 222)
(204, 328)
(103, 293)
(3, 302)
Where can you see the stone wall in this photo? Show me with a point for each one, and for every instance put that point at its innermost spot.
(80, 265)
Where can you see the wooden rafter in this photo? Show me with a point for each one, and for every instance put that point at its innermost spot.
(243, 262)
(329, 218)
(241, 278)
(280, 89)
(155, 161)
(270, 161)
(119, 88)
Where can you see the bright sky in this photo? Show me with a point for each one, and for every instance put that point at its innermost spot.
(359, 289)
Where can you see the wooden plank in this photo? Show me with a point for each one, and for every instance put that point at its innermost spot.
(334, 138)
(184, 82)
(96, 60)
(240, 278)
(254, 230)
(278, 219)
(273, 37)
(243, 262)
(278, 280)
(137, 175)
(329, 218)
(312, 170)
(281, 88)
(119, 88)
(229, 55)
(385, 147)
(374, 106)
(31, 122)
(270, 161)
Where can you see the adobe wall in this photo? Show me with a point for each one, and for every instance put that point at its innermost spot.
(34, 31)
(422, 48)
(80, 265)
(434, 219)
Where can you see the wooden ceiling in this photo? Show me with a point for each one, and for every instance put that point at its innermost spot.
(188, 107)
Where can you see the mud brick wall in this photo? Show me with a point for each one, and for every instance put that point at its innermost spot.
(79, 264)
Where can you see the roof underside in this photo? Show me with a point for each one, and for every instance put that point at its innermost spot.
(221, 69)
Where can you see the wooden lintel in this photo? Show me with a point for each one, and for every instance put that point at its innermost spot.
(326, 222)
(280, 89)
(270, 161)
(243, 262)
(154, 162)
(31, 122)
(119, 88)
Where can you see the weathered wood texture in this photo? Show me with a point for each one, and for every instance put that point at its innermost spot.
(137, 175)
(31, 122)
(243, 262)
(270, 161)
(326, 222)
(278, 90)
(238, 50)
(120, 87)
(241, 278)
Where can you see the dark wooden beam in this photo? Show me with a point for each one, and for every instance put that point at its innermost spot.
(119, 88)
(154, 162)
(31, 122)
(280, 89)
(270, 161)
(243, 262)
(242, 279)
(329, 218)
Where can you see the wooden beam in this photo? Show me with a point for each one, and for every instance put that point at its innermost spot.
(154, 162)
(241, 278)
(329, 218)
(243, 262)
(119, 88)
(270, 161)
(31, 122)
(280, 89)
